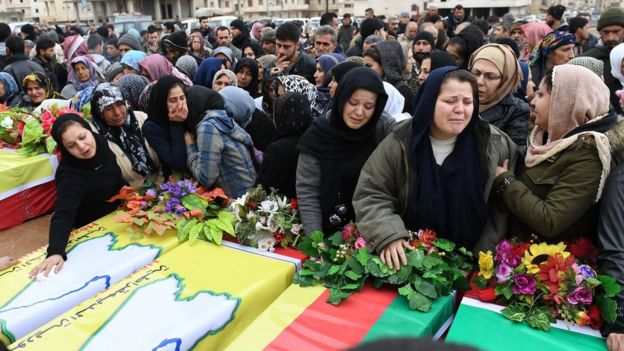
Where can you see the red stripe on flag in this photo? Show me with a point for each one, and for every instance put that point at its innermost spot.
(323, 326)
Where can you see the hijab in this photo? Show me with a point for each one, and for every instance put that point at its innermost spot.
(573, 113)
(593, 64)
(227, 52)
(41, 80)
(252, 88)
(296, 84)
(129, 136)
(158, 111)
(158, 66)
(257, 49)
(507, 64)
(339, 70)
(202, 42)
(548, 44)
(226, 72)
(75, 46)
(81, 98)
(10, 87)
(207, 69)
(131, 86)
(446, 198)
(187, 65)
(238, 104)
(534, 32)
(616, 56)
(392, 60)
(73, 79)
(441, 59)
(132, 59)
(292, 114)
(200, 100)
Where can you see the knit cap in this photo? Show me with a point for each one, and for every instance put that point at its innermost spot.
(267, 34)
(556, 11)
(425, 36)
(611, 17)
(130, 40)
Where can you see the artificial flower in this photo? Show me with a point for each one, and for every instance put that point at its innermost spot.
(487, 295)
(294, 204)
(524, 284)
(348, 231)
(582, 318)
(486, 264)
(502, 249)
(503, 272)
(269, 206)
(427, 237)
(580, 295)
(7, 123)
(551, 272)
(296, 229)
(520, 248)
(539, 253)
(360, 243)
(278, 236)
(596, 321)
(583, 248)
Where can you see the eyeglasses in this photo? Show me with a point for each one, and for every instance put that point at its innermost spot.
(487, 76)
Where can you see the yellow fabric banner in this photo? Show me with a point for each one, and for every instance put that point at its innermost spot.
(19, 173)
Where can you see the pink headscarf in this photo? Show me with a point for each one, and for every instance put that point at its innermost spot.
(74, 46)
(254, 28)
(158, 66)
(534, 32)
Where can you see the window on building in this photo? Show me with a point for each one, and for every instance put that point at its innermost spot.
(227, 4)
(250, 3)
(36, 10)
(260, 2)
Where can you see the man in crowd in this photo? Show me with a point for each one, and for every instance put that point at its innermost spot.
(369, 13)
(592, 40)
(554, 14)
(329, 19)
(579, 26)
(403, 21)
(423, 46)
(611, 29)
(325, 41)
(128, 42)
(501, 31)
(370, 26)
(410, 33)
(393, 26)
(289, 57)
(112, 54)
(267, 40)
(430, 16)
(95, 44)
(18, 65)
(153, 38)
(458, 17)
(517, 34)
(432, 29)
(45, 58)
(224, 38)
(345, 33)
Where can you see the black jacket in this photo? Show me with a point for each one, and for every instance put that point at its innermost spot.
(511, 115)
(171, 149)
(19, 67)
(50, 71)
(262, 130)
(279, 167)
(602, 53)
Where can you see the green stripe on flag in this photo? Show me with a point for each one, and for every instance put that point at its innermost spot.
(488, 330)
(398, 320)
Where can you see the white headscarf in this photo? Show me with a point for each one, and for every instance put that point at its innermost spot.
(395, 103)
(616, 56)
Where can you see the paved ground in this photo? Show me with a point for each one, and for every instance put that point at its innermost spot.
(25, 238)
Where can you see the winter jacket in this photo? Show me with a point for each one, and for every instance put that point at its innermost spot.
(345, 34)
(19, 67)
(305, 66)
(602, 53)
(381, 196)
(511, 115)
(262, 130)
(50, 72)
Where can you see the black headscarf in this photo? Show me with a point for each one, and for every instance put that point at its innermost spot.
(292, 114)
(199, 100)
(446, 198)
(252, 88)
(342, 150)
(129, 136)
(441, 59)
(339, 70)
(158, 111)
(257, 49)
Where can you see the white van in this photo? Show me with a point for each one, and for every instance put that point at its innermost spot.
(216, 22)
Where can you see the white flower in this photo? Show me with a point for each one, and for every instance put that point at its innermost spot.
(296, 229)
(269, 206)
(262, 220)
(282, 202)
(266, 244)
(7, 123)
(250, 215)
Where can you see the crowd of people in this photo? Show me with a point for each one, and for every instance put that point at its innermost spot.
(479, 129)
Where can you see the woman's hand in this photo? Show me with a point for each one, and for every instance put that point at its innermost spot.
(615, 342)
(188, 138)
(393, 255)
(503, 169)
(47, 265)
(179, 112)
(6, 262)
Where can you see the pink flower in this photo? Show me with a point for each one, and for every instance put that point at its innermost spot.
(524, 284)
(348, 231)
(580, 295)
(503, 272)
(360, 243)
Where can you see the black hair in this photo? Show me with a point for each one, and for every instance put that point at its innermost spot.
(577, 23)
(222, 28)
(112, 42)
(65, 126)
(548, 80)
(458, 7)
(5, 31)
(288, 31)
(152, 29)
(483, 25)
(511, 43)
(327, 18)
(373, 53)
(467, 42)
(369, 9)
(201, 18)
(15, 44)
(346, 15)
(464, 76)
(143, 32)
(170, 26)
(493, 19)
(94, 40)
(44, 43)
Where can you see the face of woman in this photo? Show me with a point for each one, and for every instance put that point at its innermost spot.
(372, 64)
(175, 101)
(221, 83)
(196, 45)
(249, 53)
(319, 75)
(425, 69)
(453, 109)
(244, 77)
(146, 74)
(411, 61)
(36, 93)
(82, 72)
(115, 114)
(332, 88)
(561, 55)
(359, 109)
(488, 78)
(79, 142)
(540, 106)
(530, 89)
(228, 64)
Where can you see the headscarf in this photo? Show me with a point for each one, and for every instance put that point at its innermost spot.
(396, 101)
(158, 111)
(548, 44)
(616, 57)
(74, 46)
(238, 104)
(227, 52)
(446, 198)
(252, 88)
(131, 86)
(158, 66)
(129, 136)
(341, 69)
(145, 97)
(202, 45)
(81, 98)
(296, 84)
(573, 112)
(73, 79)
(254, 27)
(10, 87)
(112, 71)
(176, 41)
(441, 59)
(292, 114)
(207, 69)
(257, 49)
(132, 59)
(187, 65)
(392, 60)
(327, 62)
(226, 72)
(534, 32)
(507, 64)
(41, 80)
(593, 64)
(200, 99)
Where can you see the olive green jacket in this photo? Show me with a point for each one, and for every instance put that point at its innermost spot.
(381, 196)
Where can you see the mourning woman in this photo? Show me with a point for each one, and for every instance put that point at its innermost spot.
(434, 172)
(37, 87)
(82, 75)
(87, 176)
(333, 151)
(247, 76)
(121, 126)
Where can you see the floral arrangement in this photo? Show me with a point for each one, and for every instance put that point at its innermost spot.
(342, 264)
(12, 123)
(540, 283)
(181, 204)
(264, 220)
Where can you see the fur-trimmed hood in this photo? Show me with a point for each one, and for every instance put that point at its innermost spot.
(616, 140)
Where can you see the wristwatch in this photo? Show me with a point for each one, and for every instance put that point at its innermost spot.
(502, 186)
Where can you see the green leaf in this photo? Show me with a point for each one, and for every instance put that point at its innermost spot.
(352, 275)
(333, 269)
(207, 234)
(406, 290)
(336, 239)
(514, 314)
(50, 145)
(608, 308)
(336, 296)
(317, 237)
(363, 256)
(401, 276)
(304, 280)
(444, 244)
(306, 272)
(420, 302)
(194, 202)
(480, 282)
(609, 284)
(539, 319)
(415, 258)
(194, 232)
(307, 247)
(33, 132)
(184, 227)
(351, 287)
(425, 288)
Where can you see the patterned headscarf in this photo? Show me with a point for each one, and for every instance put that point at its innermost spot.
(41, 80)
(187, 65)
(10, 86)
(548, 44)
(593, 64)
(145, 97)
(73, 79)
(132, 59)
(75, 46)
(207, 69)
(82, 98)
(131, 87)
(533, 32)
(616, 56)
(229, 74)
(202, 50)
(129, 136)
(297, 84)
(158, 66)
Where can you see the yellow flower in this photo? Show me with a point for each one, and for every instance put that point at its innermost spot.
(486, 264)
(539, 253)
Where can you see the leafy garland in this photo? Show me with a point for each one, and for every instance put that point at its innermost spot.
(342, 264)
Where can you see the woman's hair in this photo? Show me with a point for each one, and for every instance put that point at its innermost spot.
(177, 84)
(373, 53)
(463, 76)
(548, 80)
(64, 126)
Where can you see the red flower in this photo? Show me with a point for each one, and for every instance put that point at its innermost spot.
(278, 236)
(552, 269)
(595, 321)
(519, 249)
(487, 295)
(583, 248)
(294, 204)
(252, 205)
(427, 237)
